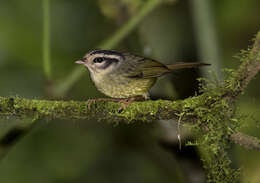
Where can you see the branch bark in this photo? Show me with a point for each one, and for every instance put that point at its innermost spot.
(144, 111)
(248, 142)
(248, 69)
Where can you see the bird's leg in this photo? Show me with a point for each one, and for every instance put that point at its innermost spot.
(127, 101)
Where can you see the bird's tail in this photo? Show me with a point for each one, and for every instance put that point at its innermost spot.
(183, 65)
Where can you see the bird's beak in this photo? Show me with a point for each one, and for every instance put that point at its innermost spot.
(79, 62)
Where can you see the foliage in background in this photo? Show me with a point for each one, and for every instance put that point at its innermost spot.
(69, 152)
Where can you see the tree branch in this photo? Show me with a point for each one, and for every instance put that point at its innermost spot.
(144, 111)
(248, 69)
(246, 141)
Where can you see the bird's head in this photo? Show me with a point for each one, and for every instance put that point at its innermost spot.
(101, 61)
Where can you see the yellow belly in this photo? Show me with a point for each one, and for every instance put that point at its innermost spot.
(124, 87)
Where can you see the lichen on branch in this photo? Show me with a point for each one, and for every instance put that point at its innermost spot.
(144, 111)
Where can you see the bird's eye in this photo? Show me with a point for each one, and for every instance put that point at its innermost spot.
(98, 60)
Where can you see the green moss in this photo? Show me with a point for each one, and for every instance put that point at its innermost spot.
(213, 112)
(148, 108)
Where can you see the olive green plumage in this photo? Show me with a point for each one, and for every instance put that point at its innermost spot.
(125, 75)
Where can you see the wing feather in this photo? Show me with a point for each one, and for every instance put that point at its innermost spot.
(140, 67)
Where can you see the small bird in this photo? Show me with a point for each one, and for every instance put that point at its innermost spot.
(125, 75)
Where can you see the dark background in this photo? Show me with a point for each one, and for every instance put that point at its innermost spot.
(91, 151)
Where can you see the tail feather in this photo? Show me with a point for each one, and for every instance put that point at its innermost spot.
(183, 65)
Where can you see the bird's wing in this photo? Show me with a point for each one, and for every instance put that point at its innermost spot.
(151, 68)
(140, 67)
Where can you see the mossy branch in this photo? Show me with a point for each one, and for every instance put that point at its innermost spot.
(144, 111)
(249, 67)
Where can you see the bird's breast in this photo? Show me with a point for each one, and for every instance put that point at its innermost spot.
(117, 86)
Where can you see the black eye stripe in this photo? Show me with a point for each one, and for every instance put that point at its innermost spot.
(112, 60)
(108, 62)
(106, 59)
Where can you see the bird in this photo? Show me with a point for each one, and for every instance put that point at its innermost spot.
(123, 75)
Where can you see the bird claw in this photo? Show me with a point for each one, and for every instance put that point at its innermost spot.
(90, 101)
(128, 101)
(125, 103)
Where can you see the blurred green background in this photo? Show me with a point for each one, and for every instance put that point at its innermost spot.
(90, 151)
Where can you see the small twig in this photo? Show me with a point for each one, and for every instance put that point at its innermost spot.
(46, 39)
(246, 141)
(15, 134)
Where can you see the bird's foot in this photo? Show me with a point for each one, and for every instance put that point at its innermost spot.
(125, 102)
